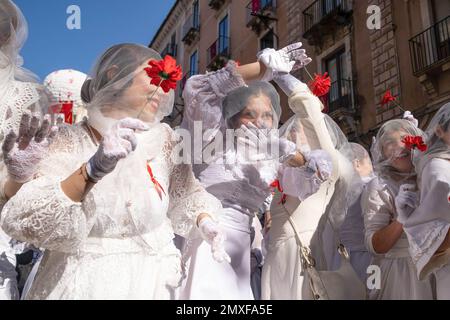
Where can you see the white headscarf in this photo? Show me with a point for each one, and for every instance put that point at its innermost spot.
(436, 147)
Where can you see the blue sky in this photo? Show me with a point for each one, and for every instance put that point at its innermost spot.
(52, 46)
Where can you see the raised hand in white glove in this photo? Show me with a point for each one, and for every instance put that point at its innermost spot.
(410, 117)
(319, 161)
(23, 153)
(289, 84)
(406, 201)
(212, 234)
(117, 144)
(265, 144)
(283, 61)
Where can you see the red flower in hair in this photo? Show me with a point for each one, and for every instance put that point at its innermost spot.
(321, 84)
(164, 73)
(388, 97)
(416, 142)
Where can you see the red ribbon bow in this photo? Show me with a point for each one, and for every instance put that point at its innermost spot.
(157, 185)
(276, 184)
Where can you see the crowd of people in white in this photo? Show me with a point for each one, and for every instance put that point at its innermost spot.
(102, 210)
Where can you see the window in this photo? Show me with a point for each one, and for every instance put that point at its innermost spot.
(193, 64)
(196, 15)
(223, 35)
(337, 69)
(268, 41)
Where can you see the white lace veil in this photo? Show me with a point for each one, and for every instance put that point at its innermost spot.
(382, 164)
(13, 34)
(437, 148)
(109, 99)
(106, 92)
(349, 182)
(237, 100)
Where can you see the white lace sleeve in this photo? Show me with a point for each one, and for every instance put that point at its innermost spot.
(41, 213)
(3, 178)
(378, 209)
(203, 95)
(188, 198)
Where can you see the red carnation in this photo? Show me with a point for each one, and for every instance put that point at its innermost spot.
(321, 84)
(388, 97)
(164, 73)
(416, 142)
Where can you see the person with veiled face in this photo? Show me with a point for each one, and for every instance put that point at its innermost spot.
(240, 100)
(20, 94)
(428, 224)
(109, 197)
(384, 234)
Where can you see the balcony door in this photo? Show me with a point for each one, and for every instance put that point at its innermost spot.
(224, 35)
(337, 69)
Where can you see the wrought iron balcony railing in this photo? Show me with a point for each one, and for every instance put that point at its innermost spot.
(430, 48)
(191, 29)
(341, 96)
(216, 4)
(260, 13)
(322, 16)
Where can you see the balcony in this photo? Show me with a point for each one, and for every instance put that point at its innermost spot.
(340, 97)
(216, 4)
(170, 49)
(430, 50)
(323, 17)
(218, 54)
(260, 14)
(191, 29)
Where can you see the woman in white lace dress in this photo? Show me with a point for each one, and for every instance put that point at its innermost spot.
(427, 227)
(233, 99)
(19, 94)
(109, 195)
(384, 234)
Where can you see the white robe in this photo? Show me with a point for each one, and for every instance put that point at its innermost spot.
(101, 248)
(429, 224)
(398, 272)
(16, 98)
(242, 189)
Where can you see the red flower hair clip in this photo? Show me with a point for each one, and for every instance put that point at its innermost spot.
(416, 142)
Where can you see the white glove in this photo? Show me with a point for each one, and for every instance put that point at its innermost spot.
(319, 161)
(117, 144)
(212, 234)
(289, 84)
(409, 116)
(283, 61)
(22, 154)
(265, 144)
(406, 201)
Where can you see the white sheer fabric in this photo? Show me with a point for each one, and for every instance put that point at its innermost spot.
(398, 272)
(88, 254)
(241, 188)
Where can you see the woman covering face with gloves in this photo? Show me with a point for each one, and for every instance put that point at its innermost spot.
(235, 100)
(19, 94)
(426, 214)
(385, 238)
(108, 196)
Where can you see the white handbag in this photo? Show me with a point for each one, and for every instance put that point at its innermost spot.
(342, 284)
